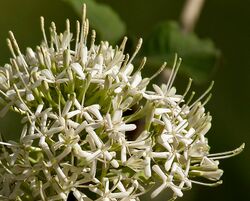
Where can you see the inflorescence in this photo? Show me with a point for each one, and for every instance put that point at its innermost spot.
(92, 128)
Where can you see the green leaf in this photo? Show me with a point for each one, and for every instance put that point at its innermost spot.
(199, 55)
(102, 18)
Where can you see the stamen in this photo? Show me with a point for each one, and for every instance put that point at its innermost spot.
(42, 194)
(8, 144)
(123, 44)
(6, 169)
(13, 62)
(68, 31)
(4, 94)
(11, 48)
(204, 94)
(12, 38)
(159, 71)
(86, 31)
(207, 184)
(182, 98)
(43, 31)
(125, 62)
(84, 12)
(181, 126)
(93, 36)
(188, 88)
(206, 101)
(227, 154)
(100, 49)
(190, 98)
(138, 47)
(66, 57)
(175, 72)
(54, 36)
(142, 64)
(20, 98)
(85, 26)
(77, 37)
(46, 57)
(168, 86)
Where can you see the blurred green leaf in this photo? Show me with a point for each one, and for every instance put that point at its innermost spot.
(102, 18)
(199, 55)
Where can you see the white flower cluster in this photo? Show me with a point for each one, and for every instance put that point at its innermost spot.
(92, 129)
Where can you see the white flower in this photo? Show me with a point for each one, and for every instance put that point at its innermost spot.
(80, 110)
(167, 182)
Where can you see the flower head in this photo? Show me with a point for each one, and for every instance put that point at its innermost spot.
(79, 103)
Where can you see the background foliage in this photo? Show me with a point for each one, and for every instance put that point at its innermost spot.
(225, 60)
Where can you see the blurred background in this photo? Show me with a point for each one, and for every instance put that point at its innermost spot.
(218, 48)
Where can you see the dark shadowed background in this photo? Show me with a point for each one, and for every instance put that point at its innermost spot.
(226, 22)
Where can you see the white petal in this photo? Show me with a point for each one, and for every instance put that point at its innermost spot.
(48, 74)
(158, 90)
(79, 152)
(123, 153)
(176, 190)
(136, 80)
(169, 162)
(158, 190)
(127, 127)
(119, 195)
(169, 126)
(39, 109)
(125, 104)
(160, 154)
(190, 133)
(67, 107)
(117, 116)
(208, 163)
(77, 104)
(94, 155)
(72, 113)
(148, 166)
(158, 171)
(183, 124)
(94, 136)
(129, 69)
(120, 186)
(151, 97)
(81, 127)
(118, 90)
(109, 121)
(87, 117)
(55, 130)
(72, 124)
(94, 109)
(159, 111)
(114, 163)
(29, 96)
(77, 68)
(205, 129)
